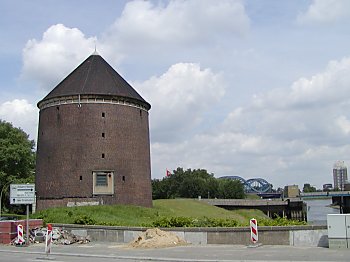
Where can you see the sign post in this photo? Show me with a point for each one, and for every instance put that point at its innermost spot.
(23, 194)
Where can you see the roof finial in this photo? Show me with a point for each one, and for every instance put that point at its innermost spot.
(95, 52)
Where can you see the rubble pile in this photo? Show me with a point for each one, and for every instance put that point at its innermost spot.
(64, 237)
(59, 237)
(156, 238)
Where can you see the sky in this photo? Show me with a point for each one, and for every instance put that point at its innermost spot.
(238, 87)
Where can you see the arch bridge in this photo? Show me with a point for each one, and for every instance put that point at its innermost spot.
(252, 185)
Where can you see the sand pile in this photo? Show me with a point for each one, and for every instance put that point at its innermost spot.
(155, 238)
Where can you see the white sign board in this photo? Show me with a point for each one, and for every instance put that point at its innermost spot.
(22, 194)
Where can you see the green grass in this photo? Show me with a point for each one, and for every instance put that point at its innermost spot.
(120, 215)
(196, 209)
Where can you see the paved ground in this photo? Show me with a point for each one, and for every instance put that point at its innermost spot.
(103, 252)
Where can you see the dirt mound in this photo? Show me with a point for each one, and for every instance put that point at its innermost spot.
(156, 238)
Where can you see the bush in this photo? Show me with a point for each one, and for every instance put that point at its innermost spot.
(173, 222)
(281, 221)
(84, 220)
(194, 222)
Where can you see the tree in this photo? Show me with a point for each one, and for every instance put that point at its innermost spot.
(192, 187)
(229, 189)
(194, 183)
(308, 188)
(17, 158)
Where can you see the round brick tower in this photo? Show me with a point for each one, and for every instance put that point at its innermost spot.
(93, 141)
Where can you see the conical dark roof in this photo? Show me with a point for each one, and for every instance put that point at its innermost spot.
(95, 77)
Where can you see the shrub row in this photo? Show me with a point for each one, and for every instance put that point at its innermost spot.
(215, 222)
(280, 221)
(193, 222)
(186, 222)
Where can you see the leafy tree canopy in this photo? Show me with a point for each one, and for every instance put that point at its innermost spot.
(308, 188)
(193, 183)
(17, 157)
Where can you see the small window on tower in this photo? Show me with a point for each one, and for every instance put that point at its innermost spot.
(103, 134)
(103, 155)
(103, 182)
(101, 179)
(103, 114)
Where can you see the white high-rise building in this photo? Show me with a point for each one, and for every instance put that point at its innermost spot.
(340, 175)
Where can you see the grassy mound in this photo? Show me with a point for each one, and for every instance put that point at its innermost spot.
(165, 213)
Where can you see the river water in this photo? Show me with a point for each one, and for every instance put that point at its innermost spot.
(317, 211)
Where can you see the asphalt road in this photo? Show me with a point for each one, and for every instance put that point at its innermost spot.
(103, 252)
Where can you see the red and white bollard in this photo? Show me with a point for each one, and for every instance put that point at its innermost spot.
(254, 230)
(48, 241)
(20, 238)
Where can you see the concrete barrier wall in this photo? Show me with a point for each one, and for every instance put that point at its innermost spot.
(316, 238)
(290, 235)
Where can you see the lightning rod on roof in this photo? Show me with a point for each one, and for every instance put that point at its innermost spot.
(95, 52)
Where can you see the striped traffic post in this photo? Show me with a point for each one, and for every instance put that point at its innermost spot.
(20, 238)
(254, 230)
(48, 241)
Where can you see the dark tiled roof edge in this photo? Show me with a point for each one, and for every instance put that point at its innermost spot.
(95, 76)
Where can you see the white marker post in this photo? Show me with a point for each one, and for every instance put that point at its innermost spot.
(254, 232)
(48, 241)
(20, 238)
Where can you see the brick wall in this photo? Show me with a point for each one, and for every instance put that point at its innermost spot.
(70, 148)
(8, 229)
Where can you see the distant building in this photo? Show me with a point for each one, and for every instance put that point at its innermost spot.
(327, 187)
(340, 175)
(347, 186)
(291, 191)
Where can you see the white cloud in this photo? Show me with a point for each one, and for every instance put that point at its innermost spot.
(306, 111)
(343, 123)
(50, 59)
(285, 135)
(143, 27)
(144, 23)
(184, 88)
(325, 11)
(179, 98)
(306, 122)
(323, 89)
(21, 114)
